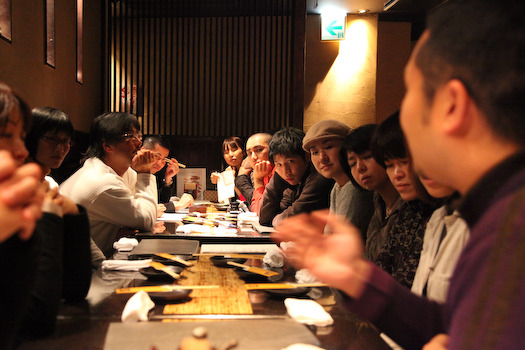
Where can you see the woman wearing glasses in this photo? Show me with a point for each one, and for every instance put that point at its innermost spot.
(48, 143)
(55, 263)
(49, 139)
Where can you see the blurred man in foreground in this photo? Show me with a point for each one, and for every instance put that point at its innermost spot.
(463, 118)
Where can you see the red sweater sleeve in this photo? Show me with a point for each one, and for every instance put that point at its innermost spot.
(258, 194)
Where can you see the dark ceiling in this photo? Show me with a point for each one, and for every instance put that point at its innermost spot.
(414, 6)
(413, 11)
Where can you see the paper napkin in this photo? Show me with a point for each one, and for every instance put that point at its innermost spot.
(308, 312)
(137, 307)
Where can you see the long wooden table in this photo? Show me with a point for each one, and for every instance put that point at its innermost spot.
(84, 325)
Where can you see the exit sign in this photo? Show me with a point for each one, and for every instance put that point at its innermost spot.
(333, 26)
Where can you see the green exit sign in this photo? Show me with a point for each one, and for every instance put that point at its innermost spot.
(333, 26)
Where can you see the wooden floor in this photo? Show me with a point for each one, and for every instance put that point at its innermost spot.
(230, 299)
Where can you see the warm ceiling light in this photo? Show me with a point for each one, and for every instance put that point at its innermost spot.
(362, 11)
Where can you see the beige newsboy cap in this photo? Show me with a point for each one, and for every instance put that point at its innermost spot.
(325, 129)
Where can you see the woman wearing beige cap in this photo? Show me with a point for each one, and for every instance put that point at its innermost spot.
(324, 142)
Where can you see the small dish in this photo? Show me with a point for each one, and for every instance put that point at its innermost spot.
(291, 292)
(178, 295)
(160, 276)
(221, 261)
(222, 207)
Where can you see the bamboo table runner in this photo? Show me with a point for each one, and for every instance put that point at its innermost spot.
(230, 299)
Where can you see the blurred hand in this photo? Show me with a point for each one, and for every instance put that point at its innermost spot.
(215, 177)
(159, 227)
(335, 259)
(185, 201)
(171, 170)
(52, 195)
(262, 169)
(21, 197)
(439, 342)
(143, 161)
(67, 206)
(246, 167)
(161, 209)
(126, 232)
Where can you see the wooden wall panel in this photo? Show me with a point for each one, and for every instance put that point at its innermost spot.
(205, 68)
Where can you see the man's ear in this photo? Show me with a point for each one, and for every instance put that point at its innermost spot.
(455, 106)
(107, 148)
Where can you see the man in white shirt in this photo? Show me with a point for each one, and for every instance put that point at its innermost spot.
(115, 184)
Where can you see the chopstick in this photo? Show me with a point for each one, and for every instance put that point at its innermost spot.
(161, 288)
(164, 268)
(174, 258)
(167, 160)
(232, 255)
(253, 269)
(259, 286)
(217, 317)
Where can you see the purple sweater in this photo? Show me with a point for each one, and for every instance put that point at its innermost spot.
(485, 307)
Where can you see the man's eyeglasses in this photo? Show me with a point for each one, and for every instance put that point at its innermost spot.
(158, 156)
(57, 141)
(132, 135)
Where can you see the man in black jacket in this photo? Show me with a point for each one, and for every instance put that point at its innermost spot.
(296, 186)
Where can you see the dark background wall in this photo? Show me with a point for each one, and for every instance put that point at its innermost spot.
(22, 66)
(22, 61)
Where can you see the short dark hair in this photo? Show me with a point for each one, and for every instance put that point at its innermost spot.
(152, 140)
(358, 140)
(287, 141)
(107, 129)
(482, 44)
(9, 100)
(388, 141)
(47, 119)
